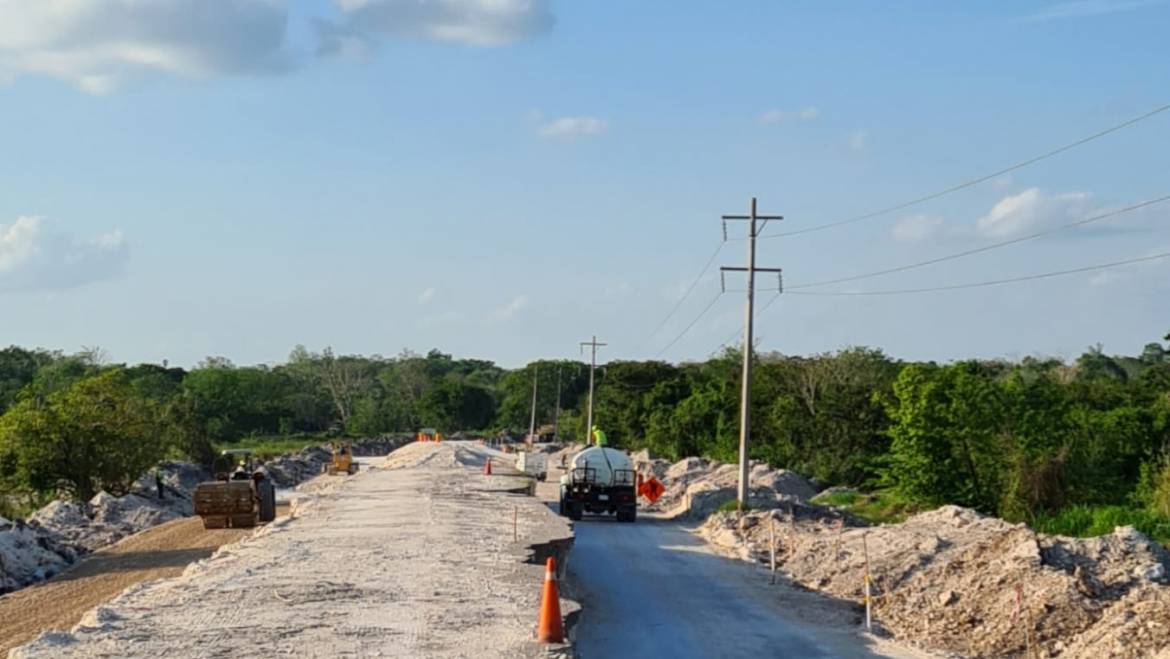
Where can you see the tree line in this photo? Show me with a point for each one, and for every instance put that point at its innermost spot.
(1026, 440)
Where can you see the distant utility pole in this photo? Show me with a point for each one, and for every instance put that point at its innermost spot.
(592, 366)
(532, 419)
(557, 415)
(745, 404)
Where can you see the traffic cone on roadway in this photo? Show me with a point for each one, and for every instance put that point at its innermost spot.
(550, 629)
(487, 467)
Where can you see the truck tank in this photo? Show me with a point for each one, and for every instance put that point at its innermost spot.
(602, 462)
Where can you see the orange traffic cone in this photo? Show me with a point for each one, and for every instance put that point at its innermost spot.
(487, 467)
(550, 629)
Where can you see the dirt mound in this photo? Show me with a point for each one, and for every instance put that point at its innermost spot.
(28, 555)
(954, 580)
(296, 468)
(696, 487)
(384, 445)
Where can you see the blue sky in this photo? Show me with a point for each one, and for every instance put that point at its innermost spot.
(505, 178)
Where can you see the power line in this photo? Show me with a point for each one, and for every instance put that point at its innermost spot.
(739, 332)
(692, 324)
(695, 283)
(976, 181)
(985, 248)
(994, 282)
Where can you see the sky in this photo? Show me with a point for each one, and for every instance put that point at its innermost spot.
(503, 179)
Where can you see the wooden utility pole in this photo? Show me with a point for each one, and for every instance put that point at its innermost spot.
(594, 345)
(745, 409)
(557, 414)
(532, 418)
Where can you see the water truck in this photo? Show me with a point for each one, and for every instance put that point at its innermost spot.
(599, 480)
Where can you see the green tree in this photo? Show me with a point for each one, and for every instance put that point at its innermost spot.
(18, 368)
(95, 435)
(453, 406)
(944, 422)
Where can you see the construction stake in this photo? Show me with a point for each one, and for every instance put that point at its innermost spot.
(868, 613)
(772, 534)
(840, 532)
(515, 518)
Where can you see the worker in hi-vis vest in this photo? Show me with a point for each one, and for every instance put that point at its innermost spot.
(598, 437)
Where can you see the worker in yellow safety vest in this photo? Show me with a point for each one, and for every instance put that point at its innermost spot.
(598, 437)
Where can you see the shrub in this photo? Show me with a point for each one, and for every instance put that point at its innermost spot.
(1089, 521)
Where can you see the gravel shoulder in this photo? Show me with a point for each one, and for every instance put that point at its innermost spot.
(158, 553)
(415, 558)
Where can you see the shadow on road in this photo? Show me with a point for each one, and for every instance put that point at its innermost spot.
(135, 560)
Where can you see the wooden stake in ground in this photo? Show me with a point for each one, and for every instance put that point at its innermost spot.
(772, 543)
(865, 553)
(840, 532)
(1029, 641)
(515, 521)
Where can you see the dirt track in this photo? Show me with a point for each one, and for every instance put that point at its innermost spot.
(157, 553)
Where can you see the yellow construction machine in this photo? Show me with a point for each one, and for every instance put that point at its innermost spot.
(342, 462)
(239, 497)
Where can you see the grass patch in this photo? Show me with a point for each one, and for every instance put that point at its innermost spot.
(265, 447)
(731, 506)
(1088, 521)
(880, 507)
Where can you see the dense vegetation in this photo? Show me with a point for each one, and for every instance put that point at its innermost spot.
(1072, 448)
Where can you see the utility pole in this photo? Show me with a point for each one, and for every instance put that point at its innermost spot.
(557, 415)
(745, 403)
(592, 366)
(532, 419)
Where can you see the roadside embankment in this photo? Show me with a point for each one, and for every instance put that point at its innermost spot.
(954, 580)
(415, 557)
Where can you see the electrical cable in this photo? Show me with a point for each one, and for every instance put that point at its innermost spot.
(687, 294)
(692, 324)
(985, 248)
(975, 181)
(994, 282)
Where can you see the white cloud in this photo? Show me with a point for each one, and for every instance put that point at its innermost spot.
(426, 295)
(1086, 8)
(36, 256)
(466, 22)
(916, 228)
(1031, 210)
(858, 140)
(98, 44)
(572, 127)
(509, 310)
(620, 289)
(784, 116)
(1107, 277)
(444, 319)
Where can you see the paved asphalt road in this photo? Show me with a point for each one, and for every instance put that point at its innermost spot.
(653, 589)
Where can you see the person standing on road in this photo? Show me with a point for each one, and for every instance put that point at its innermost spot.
(158, 483)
